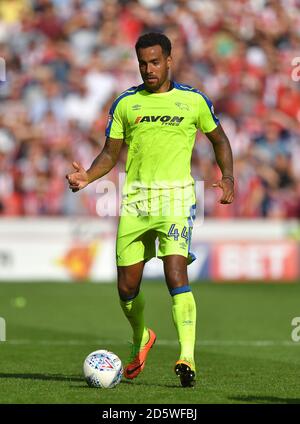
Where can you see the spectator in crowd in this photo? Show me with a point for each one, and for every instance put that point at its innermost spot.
(66, 60)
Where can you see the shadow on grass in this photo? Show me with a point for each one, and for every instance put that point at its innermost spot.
(46, 377)
(136, 383)
(77, 379)
(265, 399)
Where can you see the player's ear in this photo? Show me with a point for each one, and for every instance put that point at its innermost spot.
(169, 61)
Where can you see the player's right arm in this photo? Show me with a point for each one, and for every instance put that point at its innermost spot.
(106, 160)
(101, 165)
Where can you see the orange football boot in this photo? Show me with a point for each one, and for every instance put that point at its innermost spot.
(138, 357)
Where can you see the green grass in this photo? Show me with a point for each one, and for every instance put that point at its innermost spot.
(244, 351)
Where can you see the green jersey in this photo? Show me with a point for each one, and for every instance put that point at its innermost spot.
(160, 129)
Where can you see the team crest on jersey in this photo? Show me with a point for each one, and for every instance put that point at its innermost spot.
(162, 119)
(182, 106)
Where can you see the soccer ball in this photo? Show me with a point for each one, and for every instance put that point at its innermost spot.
(102, 369)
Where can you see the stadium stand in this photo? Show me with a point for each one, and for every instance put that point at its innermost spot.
(67, 60)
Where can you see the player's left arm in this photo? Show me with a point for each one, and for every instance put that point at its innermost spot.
(223, 154)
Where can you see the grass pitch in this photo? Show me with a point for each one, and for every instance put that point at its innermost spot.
(244, 351)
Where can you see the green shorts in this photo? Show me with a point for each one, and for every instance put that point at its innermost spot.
(140, 235)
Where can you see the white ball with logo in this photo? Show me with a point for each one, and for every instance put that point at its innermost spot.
(102, 369)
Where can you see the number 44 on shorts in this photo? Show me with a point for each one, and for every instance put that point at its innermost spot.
(173, 232)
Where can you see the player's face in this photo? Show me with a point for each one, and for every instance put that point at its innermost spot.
(154, 68)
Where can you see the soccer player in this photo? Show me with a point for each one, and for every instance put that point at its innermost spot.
(158, 120)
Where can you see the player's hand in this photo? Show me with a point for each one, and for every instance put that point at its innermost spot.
(228, 190)
(78, 179)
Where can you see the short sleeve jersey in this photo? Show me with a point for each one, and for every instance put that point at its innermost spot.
(160, 129)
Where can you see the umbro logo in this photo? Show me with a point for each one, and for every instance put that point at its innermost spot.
(136, 107)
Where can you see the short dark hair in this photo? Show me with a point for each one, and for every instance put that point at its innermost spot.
(154, 39)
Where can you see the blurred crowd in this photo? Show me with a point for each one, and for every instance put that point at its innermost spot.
(66, 60)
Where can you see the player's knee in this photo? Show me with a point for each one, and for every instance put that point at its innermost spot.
(127, 294)
(128, 288)
(176, 278)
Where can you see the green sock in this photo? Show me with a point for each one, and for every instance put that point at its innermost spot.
(184, 317)
(134, 311)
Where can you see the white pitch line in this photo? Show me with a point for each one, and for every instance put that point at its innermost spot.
(162, 342)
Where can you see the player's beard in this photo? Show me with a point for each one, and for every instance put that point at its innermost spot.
(152, 86)
(157, 82)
